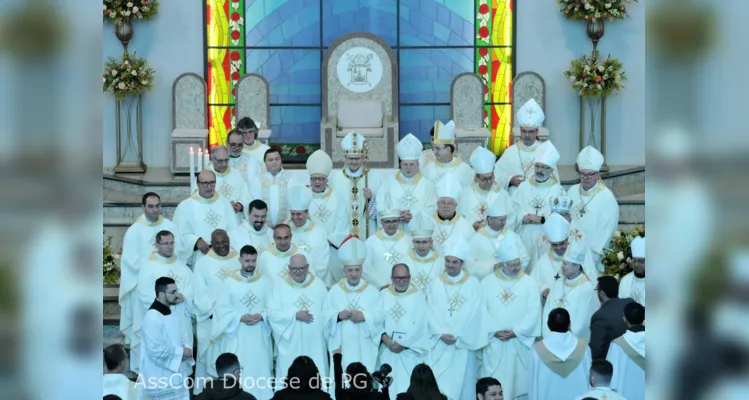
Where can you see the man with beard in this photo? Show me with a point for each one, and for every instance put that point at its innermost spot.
(254, 231)
(633, 284)
(230, 183)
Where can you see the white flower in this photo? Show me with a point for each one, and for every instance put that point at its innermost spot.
(605, 76)
(601, 68)
(145, 8)
(598, 86)
(113, 14)
(121, 85)
(135, 9)
(126, 62)
(588, 6)
(607, 5)
(104, 79)
(116, 256)
(617, 234)
(114, 72)
(126, 13)
(105, 7)
(129, 4)
(585, 85)
(134, 72)
(620, 255)
(572, 78)
(144, 82)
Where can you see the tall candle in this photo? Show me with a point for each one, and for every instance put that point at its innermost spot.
(200, 159)
(192, 170)
(206, 158)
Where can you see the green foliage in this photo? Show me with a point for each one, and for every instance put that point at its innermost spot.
(593, 78)
(129, 76)
(617, 260)
(591, 10)
(118, 11)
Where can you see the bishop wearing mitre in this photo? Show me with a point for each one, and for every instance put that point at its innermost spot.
(241, 324)
(388, 246)
(633, 284)
(230, 182)
(446, 159)
(353, 318)
(352, 184)
(447, 221)
(274, 263)
(532, 199)
(485, 240)
(514, 310)
(306, 235)
(408, 186)
(425, 264)
(457, 324)
(474, 200)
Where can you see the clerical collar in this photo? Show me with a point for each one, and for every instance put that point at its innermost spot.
(279, 173)
(156, 305)
(163, 257)
(144, 219)
(447, 219)
(636, 276)
(456, 278)
(544, 181)
(354, 174)
(235, 157)
(358, 285)
(492, 231)
(576, 278)
(303, 283)
(241, 272)
(589, 190)
(407, 179)
(636, 328)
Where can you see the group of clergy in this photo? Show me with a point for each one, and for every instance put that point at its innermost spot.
(459, 266)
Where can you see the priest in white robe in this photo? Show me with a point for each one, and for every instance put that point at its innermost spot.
(458, 325)
(388, 246)
(306, 235)
(633, 284)
(447, 221)
(138, 242)
(230, 183)
(255, 231)
(475, 199)
(274, 263)
(514, 311)
(162, 262)
(351, 309)
(627, 355)
(247, 166)
(211, 272)
(446, 160)
(574, 292)
(600, 383)
(494, 229)
(199, 215)
(516, 163)
(559, 364)
(548, 269)
(272, 186)
(353, 184)
(424, 263)
(596, 211)
(532, 199)
(253, 147)
(408, 187)
(296, 317)
(115, 382)
(241, 324)
(167, 357)
(405, 335)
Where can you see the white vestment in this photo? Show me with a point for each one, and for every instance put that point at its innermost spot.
(602, 393)
(211, 272)
(559, 368)
(359, 342)
(119, 385)
(456, 307)
(548, 268)
(384, 251)
(457, 227)
(274, 264)
(426, 157)
(634, 287)
(517, 159)
(543, 247)
(273, 191)
(256, 151)
(350, 186)
(577, 296)
(324, 210)
(406, 322)
(251, 344)
(197, 218)
(152, 268)
(248, 167)
(295, 338)
(482, 250)
(596, 212)
(313, 240)
(434, 171)
(511, 303)
(138, 242)
(627, 356)
(232, 185)
(163, 372)
(424, 270)
(474, 202)
(413, 194)
(535, 199)
(246, 234)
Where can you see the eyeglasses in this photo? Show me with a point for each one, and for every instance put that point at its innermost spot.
(298, 269)
(235, 145)
(588, 176)
(317, 178)
(486, 179)
(401, 278)
(207, 184)
(389, 221)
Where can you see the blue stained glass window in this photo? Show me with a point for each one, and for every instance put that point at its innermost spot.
(418, 120)
(426, 74)
(296, 124)
(282, 23)
(345, 16)
(436, 23)
(293, 75)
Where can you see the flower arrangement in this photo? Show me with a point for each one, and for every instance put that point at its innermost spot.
(110, 264)
(617, 260)
(592, 10)
(118, 11)
(131, 75)
(593, 78)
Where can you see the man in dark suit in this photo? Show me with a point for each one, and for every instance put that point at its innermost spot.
(607, 323)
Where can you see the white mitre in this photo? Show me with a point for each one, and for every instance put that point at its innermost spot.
(497, 207)
(590, 159)
(352, 252)
(483, 160)
(299, 198)
(409, 148)
(506, 250)
(546, 154)
(561, 204)
(319, 162)
(575, 253)
(387, 207)
(457, 248)
(444, 133)
(530, 115)
(556, 228)
(421, 226)
(354, 144)
(448, 186)
(638, 247)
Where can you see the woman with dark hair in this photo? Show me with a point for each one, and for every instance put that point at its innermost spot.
(361, 383)
(423, 386)
(302, 382)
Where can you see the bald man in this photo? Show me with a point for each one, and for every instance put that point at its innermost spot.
(230, 182)
(199, 215)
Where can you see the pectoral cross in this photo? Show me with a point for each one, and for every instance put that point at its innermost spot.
(481, 210)
(562, 302)
(556, 277)
(455, 301)
(304, 246)
(538, 203)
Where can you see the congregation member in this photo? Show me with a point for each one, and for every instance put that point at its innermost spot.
(388, 246)
(423, 261)
(448, 223)
(138, 242)
(351, 183)
(423, 385)
(446, 161)
(607, 323)
(493, 230)
(633, 284)
(241, 324)
(253, 147)
(272, 187)
(227, 386)
(199, 215)
(559, 364)
(230, 183)
(514, 310)
(274, 263)
(601, 372)
(115, 381)
(476, 197)
(627, 355)
(306, 235)
(488, 388)
(255, 231)
(240, 161)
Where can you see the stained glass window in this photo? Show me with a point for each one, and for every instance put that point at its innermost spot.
(285, 41)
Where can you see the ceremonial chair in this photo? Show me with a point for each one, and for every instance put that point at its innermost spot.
(189, 120)
(467, 110)
(525, 86)
(253, 100)
(360, 94)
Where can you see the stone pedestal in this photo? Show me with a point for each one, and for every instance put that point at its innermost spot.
(468, 140)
